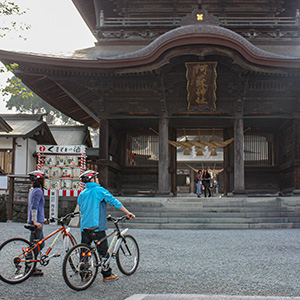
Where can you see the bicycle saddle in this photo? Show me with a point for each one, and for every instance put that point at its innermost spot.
(90, 229)
(30, 227)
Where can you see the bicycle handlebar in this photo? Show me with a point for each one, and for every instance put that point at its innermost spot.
(116, 220)
(62, 220)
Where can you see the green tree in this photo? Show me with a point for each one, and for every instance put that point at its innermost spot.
(21, 98)
(10, 9)
(13, 84)
(8, 13)
(35, 105)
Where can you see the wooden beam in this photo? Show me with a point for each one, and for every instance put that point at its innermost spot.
(87, 110)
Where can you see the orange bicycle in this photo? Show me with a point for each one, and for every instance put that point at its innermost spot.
(18, 256)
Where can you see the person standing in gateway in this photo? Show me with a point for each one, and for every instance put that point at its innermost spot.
(92, 202)
(206, 182)
(199, 183)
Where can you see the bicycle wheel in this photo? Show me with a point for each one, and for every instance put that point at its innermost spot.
(69, 241)
(128, 255)
(80, 267)
(15, 265)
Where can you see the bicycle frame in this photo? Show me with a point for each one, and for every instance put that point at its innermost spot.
(115, 243)
(44, 259)
(19, 256)
(61, 230)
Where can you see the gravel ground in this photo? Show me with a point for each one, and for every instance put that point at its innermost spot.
(209, 262)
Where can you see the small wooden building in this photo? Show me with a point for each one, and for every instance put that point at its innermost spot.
(199, 70)
(18, 141)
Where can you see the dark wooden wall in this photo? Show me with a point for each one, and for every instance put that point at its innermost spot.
(289, 155)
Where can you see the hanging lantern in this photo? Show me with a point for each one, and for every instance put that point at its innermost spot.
(213, 152)
(186, 151)
(199, 152)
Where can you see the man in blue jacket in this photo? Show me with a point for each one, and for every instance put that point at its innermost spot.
(92, 202)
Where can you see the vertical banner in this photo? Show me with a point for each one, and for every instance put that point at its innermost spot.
(53, 205)
(201, 85)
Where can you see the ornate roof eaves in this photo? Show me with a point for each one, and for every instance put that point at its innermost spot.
(199, 17)
(206, 34)
(194, 34)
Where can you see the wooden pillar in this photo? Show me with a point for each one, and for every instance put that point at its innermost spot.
(173, 163)
(10, 199)
(163, 164)
(239, 171)
(297, 155)
(228, 163)
(192, 181)
(103, 153)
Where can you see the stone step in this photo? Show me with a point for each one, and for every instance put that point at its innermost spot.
(205, 209)
(187, 205)
(208, 204)
(201, 214)
(219, 226)
(213, 213)
(214, 220)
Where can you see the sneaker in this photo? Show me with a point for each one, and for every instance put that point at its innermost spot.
(112, 277)
(37, 272)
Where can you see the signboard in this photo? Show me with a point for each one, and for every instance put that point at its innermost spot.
(63, 165)
(201, 85)
(55, 149)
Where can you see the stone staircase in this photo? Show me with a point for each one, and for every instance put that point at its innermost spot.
(211, 213)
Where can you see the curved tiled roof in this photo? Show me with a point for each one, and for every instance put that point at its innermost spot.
(195, 34)
(209, 35)
(200, 31)
(179, 41)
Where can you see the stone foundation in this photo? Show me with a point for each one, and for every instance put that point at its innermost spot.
(65, 206)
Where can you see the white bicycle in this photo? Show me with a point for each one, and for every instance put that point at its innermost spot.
(81, 263)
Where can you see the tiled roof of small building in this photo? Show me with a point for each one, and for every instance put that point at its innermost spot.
(28, 126)
(4, 127)
(71, 135)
